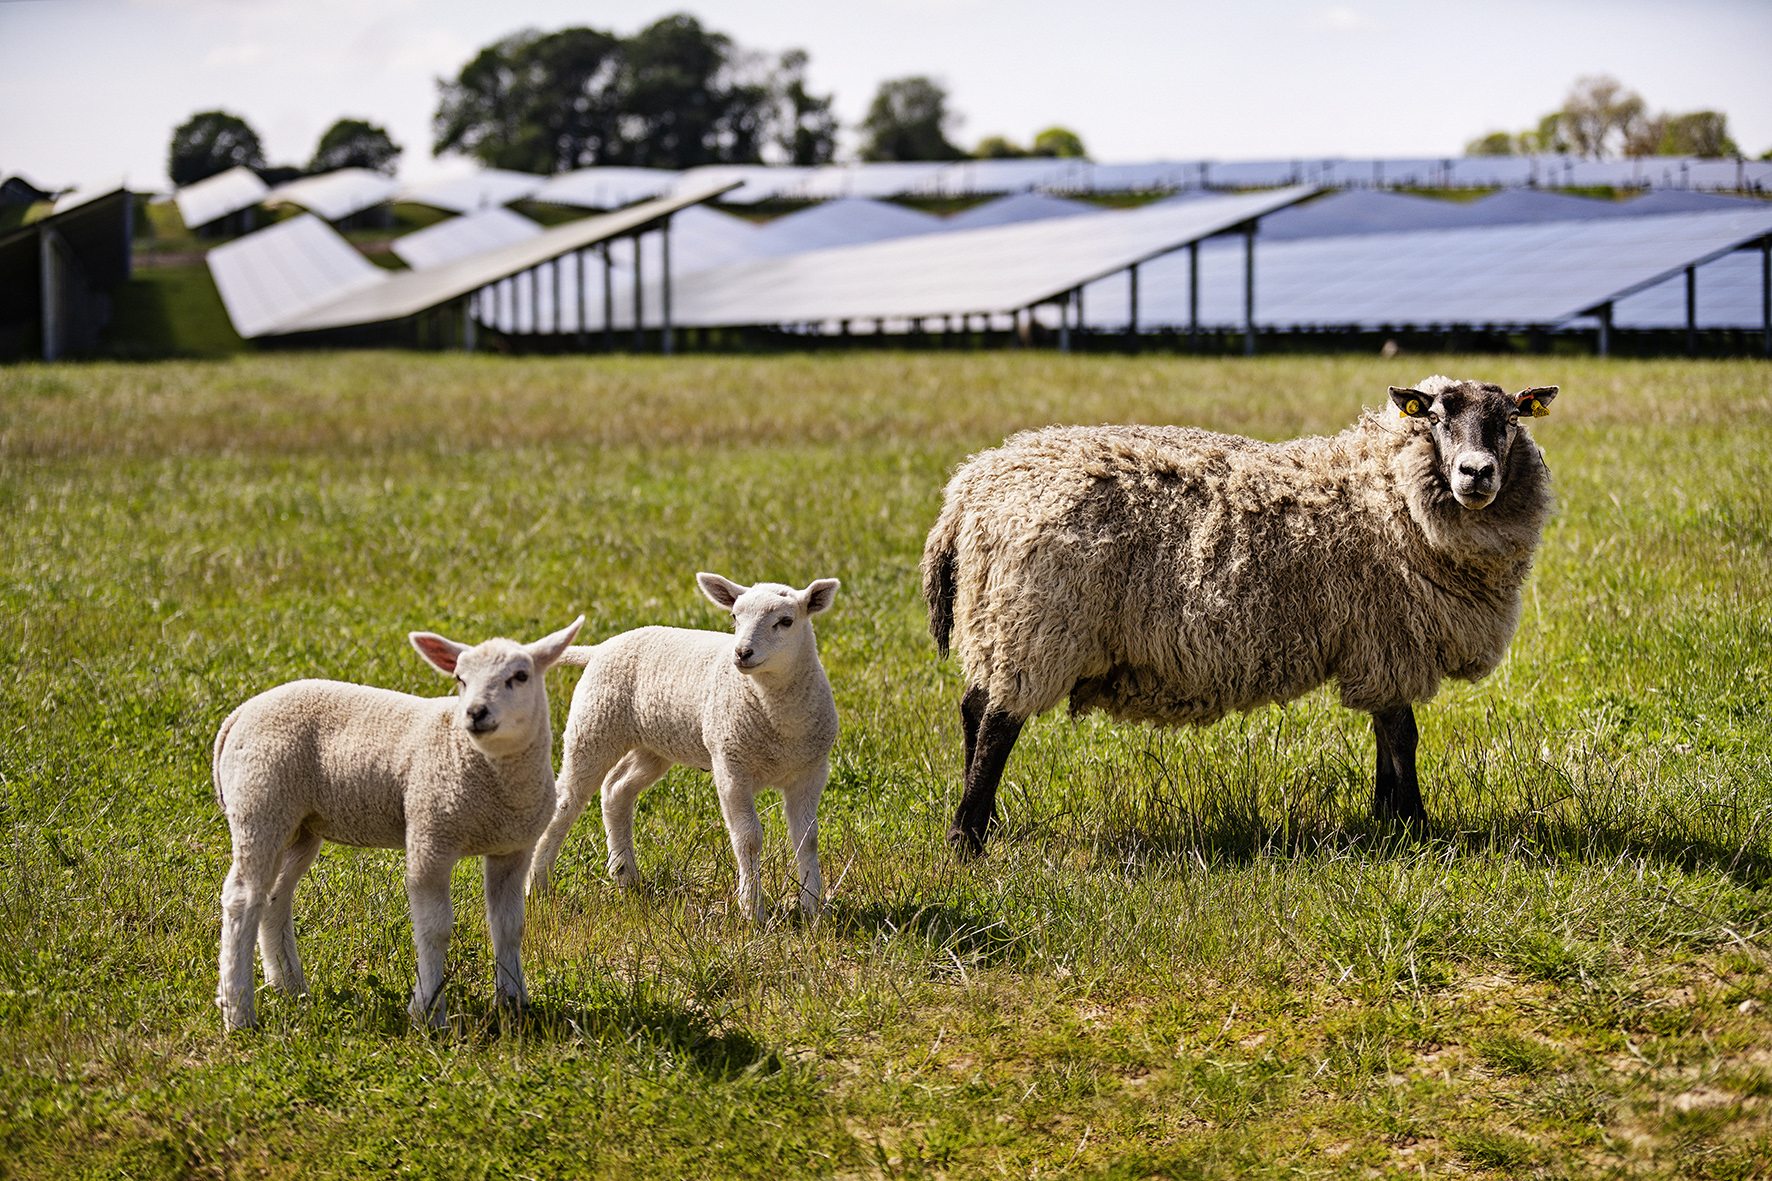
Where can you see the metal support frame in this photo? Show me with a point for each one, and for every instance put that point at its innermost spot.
(578, 259)
(1691, 311)
(535, 300)
(664, 232)
(1604, 347)
(1064, 322)
(559, 303)
(467, 324)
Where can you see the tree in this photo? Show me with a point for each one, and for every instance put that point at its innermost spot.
(1597, 112)
(1058, 141)
(535, 102)
(996, 147)
(808, 129)
(355, 143)
(208, 143)
(909, 120)
(1700, 133)
(674, 95)
(1496, 143)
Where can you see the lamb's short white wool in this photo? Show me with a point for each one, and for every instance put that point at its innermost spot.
(754, 708)
(443, 778)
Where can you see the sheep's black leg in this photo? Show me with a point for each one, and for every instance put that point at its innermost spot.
(1396, 793)
(972, 707)
(997, 732)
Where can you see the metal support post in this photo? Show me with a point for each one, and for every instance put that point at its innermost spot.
(639, 300)
(1691, 311)
(1766, 296)
(467, 324)
(608, 303)
(1605, 342)
(1064, 323)
(1193, 296)
(535, 300)
(1249, 290)
(579, 263)
(664, 237)
(1132, 317)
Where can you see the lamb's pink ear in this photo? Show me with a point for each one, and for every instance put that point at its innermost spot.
(546, 652)
(439, 652)
(818, 596)
(723, 591)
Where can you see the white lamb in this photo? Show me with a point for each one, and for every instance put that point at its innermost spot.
(443, 778)
(754, 708)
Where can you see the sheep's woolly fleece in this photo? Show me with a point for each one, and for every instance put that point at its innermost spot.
(1173, 575)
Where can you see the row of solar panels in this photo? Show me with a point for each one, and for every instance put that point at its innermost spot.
(1348, 259)
(339, 194)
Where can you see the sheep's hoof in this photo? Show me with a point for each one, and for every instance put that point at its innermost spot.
(966, 846)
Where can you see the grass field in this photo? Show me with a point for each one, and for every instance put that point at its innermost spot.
(1188, 954)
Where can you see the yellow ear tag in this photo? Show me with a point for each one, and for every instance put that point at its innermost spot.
(1539, 409)
(1412, 409)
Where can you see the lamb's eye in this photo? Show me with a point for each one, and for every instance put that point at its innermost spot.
(784, 623)
(520, 678)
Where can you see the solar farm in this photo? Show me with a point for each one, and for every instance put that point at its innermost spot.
(485, 406)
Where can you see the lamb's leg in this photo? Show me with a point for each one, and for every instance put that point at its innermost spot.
(242, 904)
(972, 705)
(1396, 793)
(276, 926)
(504, 919)
(738, 805)
(427, 893)
(580, 773)
(997, 732)
(638, 770)
(800, 799)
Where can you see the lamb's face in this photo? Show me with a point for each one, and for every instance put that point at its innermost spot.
(502, 696)
(1473, 426)
(769, 621)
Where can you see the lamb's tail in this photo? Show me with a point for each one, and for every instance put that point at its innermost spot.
(221, 740)
(940, 553)
(577, 656)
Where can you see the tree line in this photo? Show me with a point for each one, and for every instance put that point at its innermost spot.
(674, 95)
(1599, 117)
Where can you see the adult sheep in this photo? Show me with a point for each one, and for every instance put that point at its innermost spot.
(1173, 575)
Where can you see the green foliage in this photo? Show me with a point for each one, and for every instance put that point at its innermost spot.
(1188, 953)
(210, 142)
(354, 143)
(1058, 141)
(1700, 133)
(1496, 143)
(674, 95)
(909, 120)
(997, 147)
(1599, 116)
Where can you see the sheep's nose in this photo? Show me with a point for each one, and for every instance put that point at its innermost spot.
(745, 652)
(477, 713)
(1477, 467)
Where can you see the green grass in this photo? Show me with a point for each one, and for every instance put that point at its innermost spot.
(1188, 954)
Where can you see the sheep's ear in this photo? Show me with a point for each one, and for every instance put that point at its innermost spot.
(723, 591)
(1536, 401)
(546, 652)
(439, 652)
(1410, 403)
(819, 595)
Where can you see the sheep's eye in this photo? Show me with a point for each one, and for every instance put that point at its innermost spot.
(1433, 418)
(1513, 420)
(520, 678)
(784, 623)
(460, 682)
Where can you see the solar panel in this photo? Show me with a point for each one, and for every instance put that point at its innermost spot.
(459, 237)
(864, 180)
(411, 292)
(968, 177)
(481, 190)
(267, 277)
(848, 221)
(1016, 208)
(1728, 290)
(1361, 211)
(336, 195)
(1545, 274)
(756, 182)
(606, 187)
(224, 193)
(998, 269)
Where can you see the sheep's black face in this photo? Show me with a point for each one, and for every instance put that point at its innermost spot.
(1473, 425)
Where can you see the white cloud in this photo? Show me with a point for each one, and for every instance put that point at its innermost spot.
(1340, 18)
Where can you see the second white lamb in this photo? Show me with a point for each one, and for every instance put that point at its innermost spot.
(754, 708)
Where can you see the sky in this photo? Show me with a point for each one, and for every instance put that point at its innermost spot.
(93, 88)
